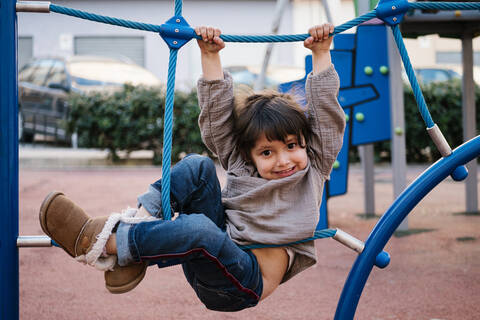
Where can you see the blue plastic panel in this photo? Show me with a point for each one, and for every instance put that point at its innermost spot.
(343, 62)
(323, 221)
(339, 176)
(372, 52)
(344, 41)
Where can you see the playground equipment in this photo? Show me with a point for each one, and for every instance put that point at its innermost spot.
(361, 61)
(176, 32)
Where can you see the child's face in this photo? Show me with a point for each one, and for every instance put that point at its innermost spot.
(277, 159)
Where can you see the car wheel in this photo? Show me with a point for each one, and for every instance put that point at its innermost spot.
(22, 135)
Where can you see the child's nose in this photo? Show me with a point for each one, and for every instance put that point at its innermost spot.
(283, 159)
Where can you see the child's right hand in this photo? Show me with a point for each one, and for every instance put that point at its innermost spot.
(319, 39)
(210, 42)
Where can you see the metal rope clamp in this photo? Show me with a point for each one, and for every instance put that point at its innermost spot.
(392, 11)
(176, 32)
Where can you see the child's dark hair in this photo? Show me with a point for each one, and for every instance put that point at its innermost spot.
(271, 113)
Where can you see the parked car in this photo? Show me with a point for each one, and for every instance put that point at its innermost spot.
(428, 75)
(44, 84)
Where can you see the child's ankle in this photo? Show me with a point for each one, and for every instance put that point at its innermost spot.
(111, 245)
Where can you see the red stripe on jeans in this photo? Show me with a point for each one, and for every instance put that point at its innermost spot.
(227, 274)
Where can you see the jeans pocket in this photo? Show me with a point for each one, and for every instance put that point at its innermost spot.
(222, 299)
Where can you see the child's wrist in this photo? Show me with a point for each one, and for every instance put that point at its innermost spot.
(210, 54)
(320, 52)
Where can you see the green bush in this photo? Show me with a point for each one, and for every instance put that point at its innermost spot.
(444, 100)
(132, 119)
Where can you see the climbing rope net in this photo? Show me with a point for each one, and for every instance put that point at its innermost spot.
(176, 32)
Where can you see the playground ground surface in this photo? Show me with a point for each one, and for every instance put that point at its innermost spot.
(432, 275)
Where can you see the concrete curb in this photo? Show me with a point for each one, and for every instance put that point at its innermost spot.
(50, 157)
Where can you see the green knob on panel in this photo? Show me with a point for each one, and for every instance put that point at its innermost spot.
(347, 117)
(336, 164)
(368, 70)
(383, 69)
(398, 131)
(359, 116)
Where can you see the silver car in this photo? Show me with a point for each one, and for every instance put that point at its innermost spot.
(44, 85)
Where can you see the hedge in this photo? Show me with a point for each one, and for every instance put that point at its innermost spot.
(132, 119)
(444, 100)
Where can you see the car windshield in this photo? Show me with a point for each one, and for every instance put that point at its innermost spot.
(100, 73)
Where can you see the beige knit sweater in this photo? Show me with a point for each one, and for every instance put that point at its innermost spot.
(274, 211)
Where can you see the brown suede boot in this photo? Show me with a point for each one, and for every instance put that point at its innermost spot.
(68, 225)
(124, 279)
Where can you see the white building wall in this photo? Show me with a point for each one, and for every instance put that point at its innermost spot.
(307, 13)
(53, 33)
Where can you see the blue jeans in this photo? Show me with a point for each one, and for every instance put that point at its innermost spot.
(224, 277)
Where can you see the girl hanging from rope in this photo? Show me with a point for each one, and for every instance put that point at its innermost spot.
(277, 158)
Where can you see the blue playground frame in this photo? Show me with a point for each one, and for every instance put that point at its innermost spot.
(382, 232)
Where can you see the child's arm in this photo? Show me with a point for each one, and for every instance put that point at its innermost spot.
(319, 42)
(326, 116)
(210, 46)
(215, 97)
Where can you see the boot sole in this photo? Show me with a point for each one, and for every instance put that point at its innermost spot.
(43, 215)
(129, 286)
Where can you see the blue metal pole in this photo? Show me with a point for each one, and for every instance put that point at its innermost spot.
(9, 299)
(392, 218)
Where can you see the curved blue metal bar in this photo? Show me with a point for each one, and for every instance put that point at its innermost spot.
(392, 218)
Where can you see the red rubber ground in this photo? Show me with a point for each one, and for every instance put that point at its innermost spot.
(432, 275)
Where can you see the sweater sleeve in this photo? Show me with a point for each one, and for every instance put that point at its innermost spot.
(326, 117)
(215, 98)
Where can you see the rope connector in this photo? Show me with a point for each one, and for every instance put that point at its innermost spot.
(32, 6)
(176, 32)
(392, 11)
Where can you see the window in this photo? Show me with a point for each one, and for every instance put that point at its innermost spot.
(57, 74)
(25, 74)
(452, 57)
(25, 50)
(121, 47)
(42, 67)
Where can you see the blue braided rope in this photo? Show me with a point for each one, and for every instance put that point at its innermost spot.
(445, 5)
(320, 234)
(178, 11)
(167, 134)
(104, 19)
(296, 37)
(178, 7)
(417, 92)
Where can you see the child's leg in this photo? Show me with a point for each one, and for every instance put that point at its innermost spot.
(224, 277)
(84, 238)
(194, 188)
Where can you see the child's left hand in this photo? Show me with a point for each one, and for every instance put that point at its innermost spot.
(319, 39)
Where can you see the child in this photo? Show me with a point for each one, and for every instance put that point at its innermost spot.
(277, 160)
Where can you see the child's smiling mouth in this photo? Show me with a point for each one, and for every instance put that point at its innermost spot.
(285, 173)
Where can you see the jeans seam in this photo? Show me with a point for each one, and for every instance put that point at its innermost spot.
(220, 265)
(132, 245)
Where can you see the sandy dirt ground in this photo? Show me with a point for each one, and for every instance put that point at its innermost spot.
(432, 275)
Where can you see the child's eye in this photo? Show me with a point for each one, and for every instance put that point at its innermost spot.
(266, 153)
(291, 145)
